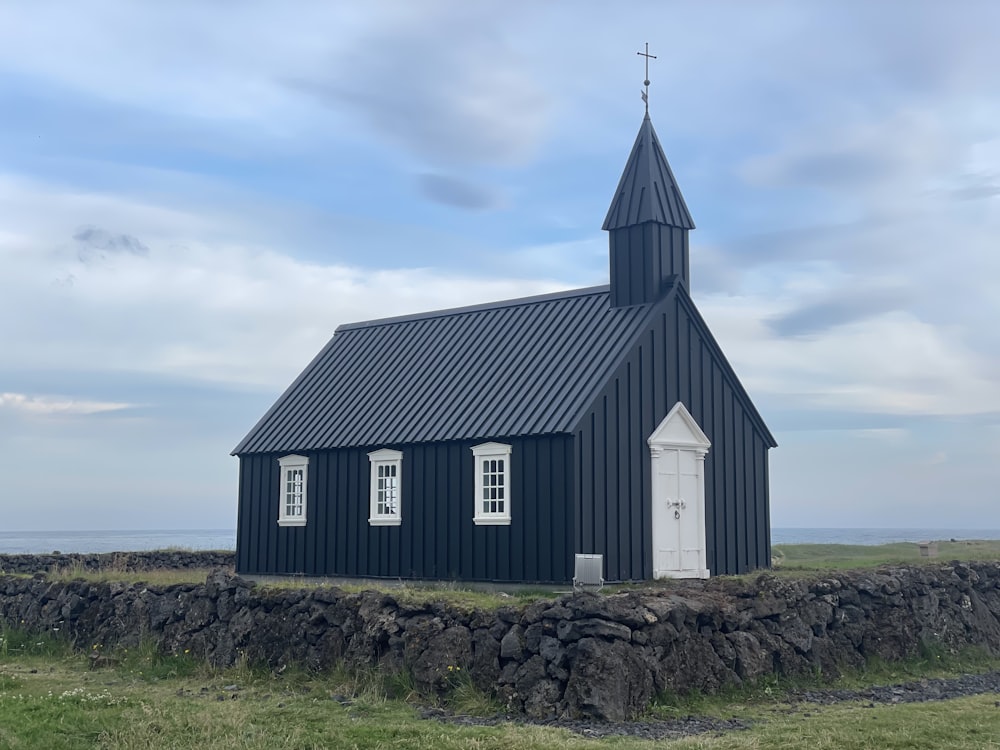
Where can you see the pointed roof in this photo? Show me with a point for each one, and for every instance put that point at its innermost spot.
(530, 366)
(520, 367)
(647, 190)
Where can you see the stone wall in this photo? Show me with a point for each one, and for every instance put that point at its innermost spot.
(598, 655)
(126, 561)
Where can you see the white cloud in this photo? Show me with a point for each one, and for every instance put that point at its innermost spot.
(884, 434)
(876, 151)
(201, 63)
(470, 99)
(195, 59)
(55, 405)
(889, 364)
(229, 311)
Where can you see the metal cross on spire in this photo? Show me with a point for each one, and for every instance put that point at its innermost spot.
(645, 94)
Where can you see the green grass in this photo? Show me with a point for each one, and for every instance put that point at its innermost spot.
(961, 724)
(16, 643)
(469, 599)
(58, 703)
(796, 557)
(155, 577)
(772, 690)
(778, 721)
(50, 699)
(452, 594)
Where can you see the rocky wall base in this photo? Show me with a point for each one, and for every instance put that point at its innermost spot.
(599, 656)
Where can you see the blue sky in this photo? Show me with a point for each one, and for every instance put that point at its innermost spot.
(193, 195)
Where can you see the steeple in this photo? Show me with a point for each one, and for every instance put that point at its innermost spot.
(647, 190)
(648, 224)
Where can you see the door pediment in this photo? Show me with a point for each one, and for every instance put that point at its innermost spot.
(679, 429)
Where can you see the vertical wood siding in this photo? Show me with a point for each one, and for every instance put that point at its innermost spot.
(644, 258)
(674, 360)
(437, 538)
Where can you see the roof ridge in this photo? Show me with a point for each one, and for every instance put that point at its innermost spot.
(500, 304)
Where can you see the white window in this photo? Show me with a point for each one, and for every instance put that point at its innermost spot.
(492, 462)
(293, 483)
(386, 497)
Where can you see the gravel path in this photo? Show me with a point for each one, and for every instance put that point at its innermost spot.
(918, 691)
(650, 730)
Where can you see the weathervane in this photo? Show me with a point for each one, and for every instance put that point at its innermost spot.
(645, 94)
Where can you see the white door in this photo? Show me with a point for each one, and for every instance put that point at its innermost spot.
(677, 451)
(678, 536)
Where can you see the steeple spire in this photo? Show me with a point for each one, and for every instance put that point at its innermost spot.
(645, 93)
(648, 222)
(647, 190)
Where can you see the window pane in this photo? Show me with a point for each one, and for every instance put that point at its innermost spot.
(386, 489)
(492, 485)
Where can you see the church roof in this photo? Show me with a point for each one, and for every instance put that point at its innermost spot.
(523, 366)
(647, 190)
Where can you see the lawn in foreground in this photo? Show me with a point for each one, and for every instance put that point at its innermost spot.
(54, 701)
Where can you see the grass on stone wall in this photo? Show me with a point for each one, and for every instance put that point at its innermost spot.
(790, 559)
(112, 572)
(454, 594)
(463, 598)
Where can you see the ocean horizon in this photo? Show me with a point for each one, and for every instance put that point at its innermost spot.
(42, 542)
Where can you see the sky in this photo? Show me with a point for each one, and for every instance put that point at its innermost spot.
(194, 195)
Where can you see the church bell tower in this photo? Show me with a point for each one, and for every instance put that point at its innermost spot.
(648, 222)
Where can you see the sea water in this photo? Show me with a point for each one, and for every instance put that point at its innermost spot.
(225, 539)
(875, 536)
(115, 541)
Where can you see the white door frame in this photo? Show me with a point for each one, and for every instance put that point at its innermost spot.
(678, 510)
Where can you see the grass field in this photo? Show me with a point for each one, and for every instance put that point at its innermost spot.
(50, 699)
(846, 556)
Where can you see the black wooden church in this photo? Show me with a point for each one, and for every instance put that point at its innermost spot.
(497, 442)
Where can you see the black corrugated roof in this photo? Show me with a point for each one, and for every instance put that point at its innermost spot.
(524, 366)
(647, 190)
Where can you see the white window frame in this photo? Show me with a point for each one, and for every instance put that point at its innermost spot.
(288, 464)
(387, 460)
(490, 452)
